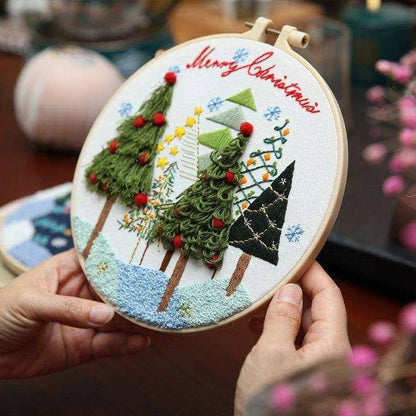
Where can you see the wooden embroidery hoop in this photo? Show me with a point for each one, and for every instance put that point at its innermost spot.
(288, 37)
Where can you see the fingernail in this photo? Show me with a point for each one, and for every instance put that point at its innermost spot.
(137, 342)
(101, 314)
(290, 293)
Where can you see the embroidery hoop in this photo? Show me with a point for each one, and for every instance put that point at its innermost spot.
(287, 38)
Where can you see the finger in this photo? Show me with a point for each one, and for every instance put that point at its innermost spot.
(118, 323)
(327, 303)
(256, 325)
(116, 343)
(283, 317)
(66, 310)
(159, 52)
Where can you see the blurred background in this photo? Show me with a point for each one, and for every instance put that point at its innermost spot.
(61, 60)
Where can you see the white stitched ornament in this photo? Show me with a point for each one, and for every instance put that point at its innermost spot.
(212, 177)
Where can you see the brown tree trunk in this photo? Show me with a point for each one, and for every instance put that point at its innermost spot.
(238, 274)
(98, 227)
(166, 260)
(173, 282)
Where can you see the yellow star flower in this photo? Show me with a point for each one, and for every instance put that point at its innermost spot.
(198, 111)
(174, 150)
(179, 132)
(162, 162)
(190, 121)
(168, 138)
(160, 147)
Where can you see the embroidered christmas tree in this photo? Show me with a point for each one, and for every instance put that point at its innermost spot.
(199, 222)
(143, 221)
(257, 231)
(123, 170)
(244, 98)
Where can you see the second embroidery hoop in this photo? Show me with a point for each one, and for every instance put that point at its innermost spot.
(332, 190)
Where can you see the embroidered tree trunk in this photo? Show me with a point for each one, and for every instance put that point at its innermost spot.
(257, 231)
(123, 170)
(199, 222)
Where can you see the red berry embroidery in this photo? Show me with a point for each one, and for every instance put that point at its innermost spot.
(177, 241)
(158, 119)
(92, 178)
(105, 185)
(113, 146)
(140, 199)
(217, 223)
(212, 264)
(139, 122)
(170, 78)
(206, 176)
(229, 177)
(246, 129)
(144, 158)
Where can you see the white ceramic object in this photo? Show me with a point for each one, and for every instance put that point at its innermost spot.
(60, 92)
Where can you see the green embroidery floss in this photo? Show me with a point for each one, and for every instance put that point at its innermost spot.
(199, 222)
(123, 170)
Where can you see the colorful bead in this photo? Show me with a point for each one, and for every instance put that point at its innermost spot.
(139, 122)
(177, 242)
(246, 129)
(140, 199)
(113, 146)
(92, 178)
(144, 158)
(158, 119)
(170, 77)
(217, 223)
(229, 177)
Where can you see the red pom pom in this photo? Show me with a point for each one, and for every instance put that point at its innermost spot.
(113, 146)
(206, 176)
(246, 129)
(170, 78)
(144, 158)
(229, 177)
(140, 199)
(158, 119)
(217, 223)
(92, 178)
(105, 185)
(212, 264)
(177, 241)
(139, 122)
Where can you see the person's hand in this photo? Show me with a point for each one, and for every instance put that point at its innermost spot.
(304, 324)
(50, 320)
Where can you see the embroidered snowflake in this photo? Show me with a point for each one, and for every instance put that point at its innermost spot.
(272, 113)
(283, 181)
(175, 69)
(185, 309)
(240, 55)
(294, 233)
(214, 104)
(125, 109)
(102, 267)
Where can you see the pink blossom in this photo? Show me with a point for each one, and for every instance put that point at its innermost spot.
(363, 384)
(401, 73)
(319, 382)
(382, 333)
(407, 137)
(407, 103)
(407, 318)
(393, 185)
(409, 59)
(373, 405)
(407, 158)
(347, 408)
(408, 236)
(408, 117)
(375, 153)
(396, 164)
(283, 397)
(376, 95)
(384, 66)
(362, 357)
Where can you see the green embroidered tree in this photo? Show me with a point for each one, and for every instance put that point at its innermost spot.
(199, 222)
(123, 170)
(257, 230)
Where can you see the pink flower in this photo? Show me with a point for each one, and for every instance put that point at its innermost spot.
(408, 117)
(362, 357)
(407, 318)
(373, 405)
(384, 66)
(376, 95)
(375, 153)
(407, 103)
(382, 333)
(363, 384)
(283, 397)
(396, 164)
(407, 137)
(401, 73)
(409, 59)
(393, 185)
(408, 236)
(347, 408)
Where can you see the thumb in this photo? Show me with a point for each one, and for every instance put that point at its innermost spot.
(283, 317)
(67, 310)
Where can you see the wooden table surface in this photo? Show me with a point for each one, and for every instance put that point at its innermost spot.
(177, 375)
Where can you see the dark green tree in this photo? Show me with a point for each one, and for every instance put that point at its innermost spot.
(123, 169)
(257, 230)
(199, 222)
